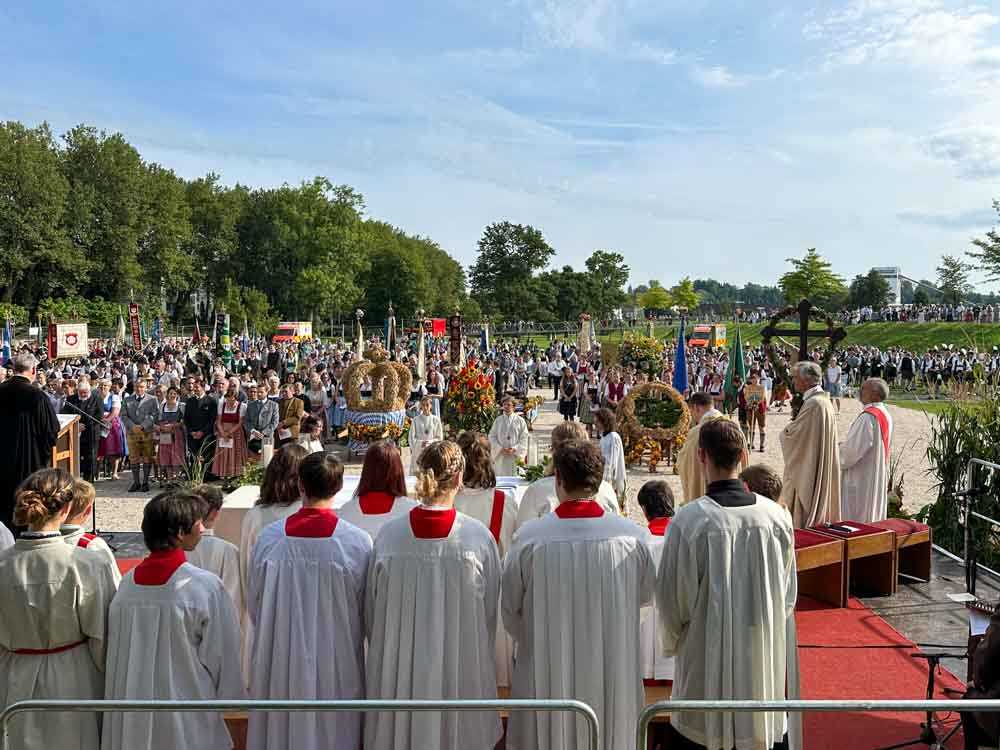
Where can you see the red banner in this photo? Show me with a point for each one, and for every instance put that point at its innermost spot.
(133, 320)
(437, 327)
(51, 343)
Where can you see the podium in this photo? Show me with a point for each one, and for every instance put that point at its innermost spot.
(66, 452)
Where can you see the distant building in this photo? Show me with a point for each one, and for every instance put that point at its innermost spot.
(893, 275)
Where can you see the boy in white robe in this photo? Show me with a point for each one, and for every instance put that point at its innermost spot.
(213, 553)
(657, 502)
(726, 590)
(305, 599)
(74, 535)
(573, 585)
(425, 429)
(509, 439)
(864, 458)
(173, 634)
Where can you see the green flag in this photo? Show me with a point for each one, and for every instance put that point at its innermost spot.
(736, 367)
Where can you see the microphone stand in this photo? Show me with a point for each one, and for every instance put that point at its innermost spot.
(106, 535)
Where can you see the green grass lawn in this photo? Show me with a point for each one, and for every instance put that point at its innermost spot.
(928, 407)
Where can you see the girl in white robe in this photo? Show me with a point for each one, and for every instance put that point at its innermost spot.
(74, 535)
(53, 618)
(431, 616)
(381, 493)
(425, 429)
(509, 440)
(615, 472)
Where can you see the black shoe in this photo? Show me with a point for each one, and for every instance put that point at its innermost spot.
(135, 487)
(145, 486)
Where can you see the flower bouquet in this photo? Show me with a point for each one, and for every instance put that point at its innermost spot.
(645, 352)
(470, 402)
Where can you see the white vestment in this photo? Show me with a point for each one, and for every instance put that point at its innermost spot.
(614, 461)
(216, 555)
(373, 522)
(725, 592)
(864, 470)
(508, 431)
(305, 599)
(72, 536)
(431, 615)
(655, 666)
(572, 593)
(540, 499)
(6, 538)
(424, 430)
(176, 641)
(52, 595)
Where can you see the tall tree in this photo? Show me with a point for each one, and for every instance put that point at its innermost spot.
(608, 274)
(953, 279)
(987, 254)
(656, 297)
(812, 277)
(869, 290)
(683, 294)
(509, 256)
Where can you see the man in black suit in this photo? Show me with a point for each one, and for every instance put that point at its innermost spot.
(30, 430)
(90, 408)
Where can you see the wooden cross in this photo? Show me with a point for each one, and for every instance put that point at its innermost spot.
(803, 331)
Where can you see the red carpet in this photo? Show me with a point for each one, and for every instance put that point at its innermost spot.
(854, 654)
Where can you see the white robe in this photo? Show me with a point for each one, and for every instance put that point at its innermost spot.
(424, 430)
(572, 593)
(725, 592)
(72, 535)
(655, 666)
(6, 538)
(614, 461)
(864, 470)
(508, 432)
(53, 595)
(431, 615)
(179, 640)
(540, 499)
(372, 523)
(305, 599)
(219, 556)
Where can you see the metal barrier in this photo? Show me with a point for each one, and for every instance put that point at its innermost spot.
(968, 552)
(356, 706)
(825, 706)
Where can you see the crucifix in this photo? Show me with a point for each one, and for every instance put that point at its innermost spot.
(803, 332)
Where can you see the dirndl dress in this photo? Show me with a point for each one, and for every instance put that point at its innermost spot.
(229, 459)
(114, 443)
(170, 439)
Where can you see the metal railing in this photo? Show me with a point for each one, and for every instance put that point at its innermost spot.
(799, 706)
(341, 706)
(968, 552)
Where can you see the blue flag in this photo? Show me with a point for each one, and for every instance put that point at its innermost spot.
(680, 363)
(8, 341)
(157, 329)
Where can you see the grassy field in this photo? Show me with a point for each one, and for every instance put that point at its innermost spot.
(927, 407)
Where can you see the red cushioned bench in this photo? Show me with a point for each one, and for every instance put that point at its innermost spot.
(869, 558)
(820, 563)
(914, 541)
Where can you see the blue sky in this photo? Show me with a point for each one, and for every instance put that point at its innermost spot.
(703, 139)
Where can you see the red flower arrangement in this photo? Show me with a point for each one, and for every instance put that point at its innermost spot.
(470, 402)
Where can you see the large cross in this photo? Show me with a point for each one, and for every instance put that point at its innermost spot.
(803, 331)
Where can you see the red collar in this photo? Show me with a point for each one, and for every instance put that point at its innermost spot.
(376, 503)
(658, 526)
(311, 523)
(156, 569)
(579, 509)
(432, 524)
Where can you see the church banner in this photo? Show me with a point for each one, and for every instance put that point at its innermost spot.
(133, 319)
(68, 340)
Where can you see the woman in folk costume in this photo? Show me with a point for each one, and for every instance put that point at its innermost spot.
(381, 493)
(169, 430)
(569, 390)
(436, 388)
(589, 400)
(426, 567)
(53, 618)
(425, 429)
(113, 445)
(230, 440)
(508, 439)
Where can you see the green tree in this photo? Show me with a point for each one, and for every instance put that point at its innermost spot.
(569, 289)
(509, 256)
(655, 297)
(920, 296)
(164, 234)
(987, 254)
(906, 292)
(811, 278)
(608, 274)
(953, 279)
(869, 290)
(683, 294)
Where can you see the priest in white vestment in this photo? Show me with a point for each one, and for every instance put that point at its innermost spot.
(726, 591)
(425, 428)
(864, 458)
(509, 439)
(305, 599)
(573, 586)
(173, 634)
(688, 467)
(381, 493)
(431, 616)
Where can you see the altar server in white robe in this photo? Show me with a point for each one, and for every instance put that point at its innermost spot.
(381, 493)
(306, 599)
(213, 553)
(657, 502)
(73, 530)
(573, 586)
(725, 592)
(540, 498)
(864, 458)
(279, 498)
(173, 634)
(54, 602)
(431, 614)
(6, 538)
(509, 440)
(613, 451)
(425, 429)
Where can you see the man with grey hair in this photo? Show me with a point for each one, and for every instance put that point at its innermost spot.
(812, 459)
(30, 429)
(864, 458)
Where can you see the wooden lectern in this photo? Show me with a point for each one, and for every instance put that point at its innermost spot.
(66, 453)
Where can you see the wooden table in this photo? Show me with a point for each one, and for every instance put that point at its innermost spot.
(821, 566)
(869, 558)
(914, 541)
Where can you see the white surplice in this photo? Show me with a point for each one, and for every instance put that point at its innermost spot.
(614, 461)
(572, 593)
(306, 599)
(6, 538)
(725, 592)
(222, 557)
(53, 595)
(655, 666)
(424, 430)
(179, 640)
(864, 470)
(540, 499)
(508, 431)
(373, 522)
(72, 536)
(431, 615)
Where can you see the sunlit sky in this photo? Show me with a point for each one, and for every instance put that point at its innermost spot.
(704, 139)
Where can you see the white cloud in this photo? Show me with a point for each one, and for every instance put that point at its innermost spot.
(974, 151)
(717, 77)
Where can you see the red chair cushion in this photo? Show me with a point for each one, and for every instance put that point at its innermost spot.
(806, 538)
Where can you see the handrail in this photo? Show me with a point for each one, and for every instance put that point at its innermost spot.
(824, 706)
(970, 573)
(337, 706)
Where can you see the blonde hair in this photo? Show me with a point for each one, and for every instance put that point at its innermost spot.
(41, 496)
(83, 497)
(441, 465)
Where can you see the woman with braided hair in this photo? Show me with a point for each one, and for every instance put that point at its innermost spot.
(53, 615)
